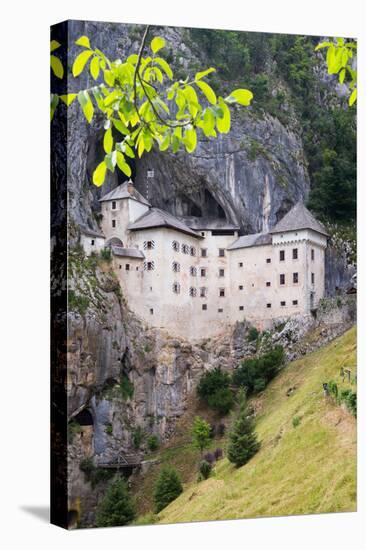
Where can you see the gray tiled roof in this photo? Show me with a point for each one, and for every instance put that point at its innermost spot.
(159, 218)
(299, 217)
(91, 232)
(198, 223)
(122, 192)
(127, 252)
(246, 241)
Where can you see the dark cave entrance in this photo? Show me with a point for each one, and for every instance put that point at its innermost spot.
(84, 418)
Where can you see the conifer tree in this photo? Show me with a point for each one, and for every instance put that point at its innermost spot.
(117, 507)
(243, 443)
(167, 488)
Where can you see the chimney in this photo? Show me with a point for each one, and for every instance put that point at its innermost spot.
(130, 187)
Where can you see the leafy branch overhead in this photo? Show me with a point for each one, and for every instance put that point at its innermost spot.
(341, 56)
(142, 104)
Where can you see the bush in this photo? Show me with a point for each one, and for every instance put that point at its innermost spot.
(167, 488)
(209, 457)
(349, 398)
(126, 387)
(296, 421)
(153, 442)
(201, 431)
(218, 454)
(218, 430)
(254, 374)
(73, 428)
(205, 469)
(117, 507)
(137, 437)
(222, 400)
(213, 388)
(253, 334)
(243, 442)
(105, 254)
(333, 389)
(87, 466)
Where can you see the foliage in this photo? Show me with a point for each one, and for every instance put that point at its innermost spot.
(126, 387)
(346, 396)
(209, 457)
(340, 60)
(296, 421)
(204, 469)
(109, 429)
(222, 400)
(106, 254)
(87, 465)
(77, 302)
(200, 433)
(243, 442)
(253, 334)
(218, 454)
(73, 428)
(168, 487)
(143, 105)
(117, 507)
(93, 474)
(137, 437)
(218, 430)
(254, 374)
(153, 442)
(213, 388)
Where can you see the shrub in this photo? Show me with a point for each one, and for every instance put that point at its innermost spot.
(200, 433)
(253, 334)
(213, 388)
(243, 442)
(109, 429)
(73, 428)
(254, 374)
(126, 387)
(209, 457)
(77, 302)
(204, 469)
(218, 430)
(349, 398)
(218, 454)
(87, 466)
(137, 437)
(105, 254)
(153, 442)
(167, 488)
(296, 421)
(117, 507)
(333, 388)
(222, 400)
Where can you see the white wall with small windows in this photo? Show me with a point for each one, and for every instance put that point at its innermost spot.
(91, 244)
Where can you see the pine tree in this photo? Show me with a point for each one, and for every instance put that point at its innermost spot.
(117, 506)
(167, 488)
(243, 442)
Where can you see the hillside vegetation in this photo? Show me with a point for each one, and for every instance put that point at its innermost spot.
(303, 466)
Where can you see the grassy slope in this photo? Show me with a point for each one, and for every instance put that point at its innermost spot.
(307, 469)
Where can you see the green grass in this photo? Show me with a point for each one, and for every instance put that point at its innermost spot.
(310, 469)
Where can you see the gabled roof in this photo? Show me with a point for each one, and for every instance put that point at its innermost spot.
(158, 218)
(91, 232)
(123, 192)
(198, 223)
(246, 241)
(299, 217)
(127, 252)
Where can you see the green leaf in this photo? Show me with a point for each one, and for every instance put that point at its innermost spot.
(201, 74)
(68, 98)
(352, 97)
(108, 141)
(86, 104)
(157, 43)
(94, 67)
(109, 77)
(164, 144)
(54, 103)
(132, 58)
(99, 174)
(80, 62)
(54, 45)
(121, 127)
(57, 67)
(83, 41)
(111, 160)
(207, 91)
(241, 96)
(129, 152)
(190, 139)
(164, 65)
(342, 74)
(223, 123)
(141, 145)
(122, 164)
(323, 45)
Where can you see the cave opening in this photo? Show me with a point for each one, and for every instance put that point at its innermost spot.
(84, 418)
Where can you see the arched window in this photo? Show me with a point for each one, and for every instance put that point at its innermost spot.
(176, 267)
(193, 291)
(149, 266)
(176, 288)
(192, 251)
(185, 248)
(175, 246)
(149, 245)
(193, 271)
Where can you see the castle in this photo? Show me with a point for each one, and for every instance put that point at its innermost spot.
(196, 276)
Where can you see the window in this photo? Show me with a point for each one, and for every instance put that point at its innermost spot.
(150, 173)
(185, 248)
(192, 251)
(295, 278)
(149, 245)
(120, 266)
(295, 254)
(149, 266)
(92, 242)
(151, 311)
(312, 254)
(204, 252)
(221, 292)
(240, 264)
(221, 252)
(113, 223)
(193, 271)
(204, 307)
(193, 291)
(282, 255)
(203, 272)
(241, 287)
(282, 279)
(221, 272)
(176, 288)
(269, 306)
(268, 283)
(283, 304)
(220, 310)
(176, 267)
(137, 268)
(203, 292)
(241, 308)
(127, 267)
(312, 278)
(175, 246)
(202, 233)
(114, 205)
(294, 302)
(268, 260)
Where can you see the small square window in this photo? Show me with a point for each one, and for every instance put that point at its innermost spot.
(222, 292)
(204, 252)
(241, 287)
(202, 233)
(137, 268)
(203, 272)
(204, 307)
(221, 272)
(241, 308)
(268, 260)
(120, 266)
(221, 252)
(220, 310)
(127, 267)
(92, 242)
(114, 205)
(294, 302)
(269, 306)
(282, 279)
(282, 255)
(295, 254)
(312, 254)
(268, 283)
(240, 264)
(295, 278)
(113, 223)
(151, 311)
(149, 245)
(283, 304)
